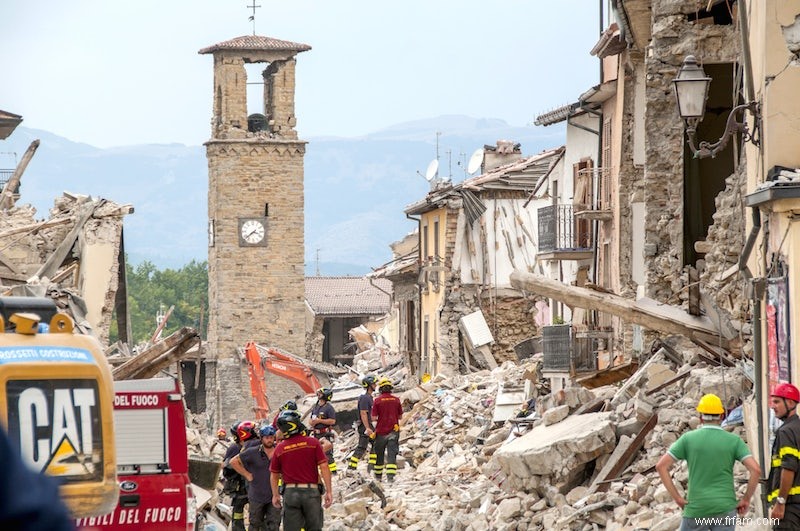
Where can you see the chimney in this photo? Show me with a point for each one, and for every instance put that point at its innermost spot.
(506, 151)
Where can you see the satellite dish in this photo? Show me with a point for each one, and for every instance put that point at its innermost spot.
(475, 161)
(433, 167)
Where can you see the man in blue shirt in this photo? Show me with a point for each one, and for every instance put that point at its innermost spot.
(253, 464)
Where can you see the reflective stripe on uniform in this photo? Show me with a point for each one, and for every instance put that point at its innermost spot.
(391, 469)
(353, 462)
(783, 452)
(372, 458)
(774, 494)
(788, 450)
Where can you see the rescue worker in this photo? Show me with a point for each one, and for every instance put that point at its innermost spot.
(243, 437)
(221, 442)
(388, 411)
(288, 405)
(710, 453)
(323, 418)
(784, 480)
(253, 464)
(366, 430)
(300, 461)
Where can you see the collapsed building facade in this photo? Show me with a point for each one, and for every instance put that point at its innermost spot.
(471, 235)
(76, 256)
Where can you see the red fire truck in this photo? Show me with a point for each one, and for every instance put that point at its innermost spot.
(152, 462)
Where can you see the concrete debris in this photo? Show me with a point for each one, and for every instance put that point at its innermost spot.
(562, 469)
(74, 257)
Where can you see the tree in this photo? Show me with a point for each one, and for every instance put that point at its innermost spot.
(150, 290)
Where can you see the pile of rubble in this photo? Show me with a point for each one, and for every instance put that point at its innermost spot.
(585, 459)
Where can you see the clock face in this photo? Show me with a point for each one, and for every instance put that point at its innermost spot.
(253, 231)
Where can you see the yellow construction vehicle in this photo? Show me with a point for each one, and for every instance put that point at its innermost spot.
(56, 402)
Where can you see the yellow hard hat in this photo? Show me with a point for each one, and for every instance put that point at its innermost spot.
(384, 382)
(710, 405)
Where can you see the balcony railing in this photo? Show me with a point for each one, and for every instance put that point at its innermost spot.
(5, 175)
(559, 230)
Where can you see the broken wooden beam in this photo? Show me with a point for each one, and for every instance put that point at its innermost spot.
(12, 185)
(620, 460)
(662, 385)
(138, 362)
(608, 376)
(645, 312)
(716, 352)
(168, 358)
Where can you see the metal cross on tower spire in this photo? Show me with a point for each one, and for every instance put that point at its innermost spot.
(252, 18)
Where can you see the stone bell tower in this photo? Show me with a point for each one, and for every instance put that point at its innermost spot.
(255, 217)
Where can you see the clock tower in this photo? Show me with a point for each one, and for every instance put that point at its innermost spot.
(255, 216)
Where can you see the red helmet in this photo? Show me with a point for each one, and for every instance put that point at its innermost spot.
(246, 430)
(788, 391)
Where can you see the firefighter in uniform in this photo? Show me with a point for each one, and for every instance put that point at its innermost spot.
(253, 464)
(300, 461)
(388, 411)
(244, 436)
(323, 418)
(289, 404)
(784, 480)
(366, 430)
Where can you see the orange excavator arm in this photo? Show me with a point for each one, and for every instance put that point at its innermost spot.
(294, 371)
(258, 386)
(278, 363)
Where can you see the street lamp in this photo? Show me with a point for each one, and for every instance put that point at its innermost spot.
(691, 91)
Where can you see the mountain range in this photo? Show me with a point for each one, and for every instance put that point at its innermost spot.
(355, 188)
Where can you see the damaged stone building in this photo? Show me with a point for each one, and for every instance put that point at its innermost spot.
(695, 212)
(471, 235)
(75, 256)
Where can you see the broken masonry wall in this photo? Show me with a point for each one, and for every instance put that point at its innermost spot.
(100, 243)
(727, 236)
(406, 299)
(508, 315)
(315, 339)
(673, 38)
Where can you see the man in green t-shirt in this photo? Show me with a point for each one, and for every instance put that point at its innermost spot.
(710, 453)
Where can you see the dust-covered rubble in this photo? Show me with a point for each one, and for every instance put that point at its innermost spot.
(461, 470)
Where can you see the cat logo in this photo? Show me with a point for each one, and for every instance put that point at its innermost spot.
(57, 424)
(66, 461)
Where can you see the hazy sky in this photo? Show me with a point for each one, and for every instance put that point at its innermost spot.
(121, 72)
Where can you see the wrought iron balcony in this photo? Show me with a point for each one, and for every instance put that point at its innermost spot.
(562, 236)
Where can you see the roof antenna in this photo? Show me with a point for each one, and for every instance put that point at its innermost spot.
(252, 18)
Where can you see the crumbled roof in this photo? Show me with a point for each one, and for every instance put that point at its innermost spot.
(521, 175)
(556, 115)
(347, 295)
(408, 263)
(8, 122)
(256, 43)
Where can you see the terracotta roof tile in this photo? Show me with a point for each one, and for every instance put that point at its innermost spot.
(347, 296)
(257, 43)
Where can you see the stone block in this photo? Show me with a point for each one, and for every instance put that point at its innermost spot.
(644, 409)
(357, 507)
(549, 455)
(629, 427)
(556, 414)
(508, 509)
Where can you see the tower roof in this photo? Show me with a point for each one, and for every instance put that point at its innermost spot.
(256, 43)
